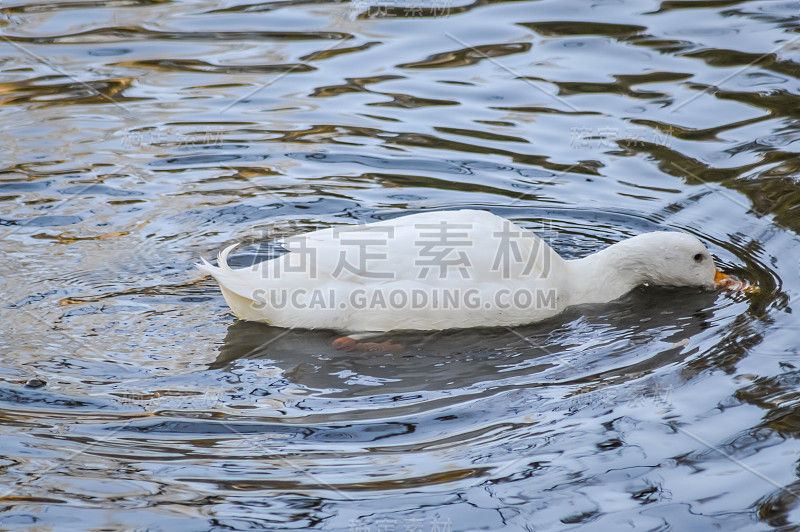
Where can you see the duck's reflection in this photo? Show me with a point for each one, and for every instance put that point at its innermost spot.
(646, 329)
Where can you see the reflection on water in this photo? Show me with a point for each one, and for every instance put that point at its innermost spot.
(459, 360)
(139, 136)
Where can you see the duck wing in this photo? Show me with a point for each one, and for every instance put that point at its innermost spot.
(433, 247)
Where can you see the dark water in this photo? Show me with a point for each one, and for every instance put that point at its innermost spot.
(139, 135)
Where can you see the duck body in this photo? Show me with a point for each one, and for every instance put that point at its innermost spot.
(445, 269)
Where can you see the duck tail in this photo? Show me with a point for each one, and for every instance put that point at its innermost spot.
(218, 272)
(236, 288)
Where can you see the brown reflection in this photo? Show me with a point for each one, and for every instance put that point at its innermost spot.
(307, 482)
(576, 27)
(779, 509)
(468, 56)
(196, 287)
(779, 195)
(623, 86)
(703, 134)
(352, 85)
(262, 7)
(40, 92)
(66, 238)
(671, 5)
(778, 395)
(137, 33)
(544, 110)
(24, 498)
(423, 140)
(46, 7)
(480, 134)
(327, 54)
(409, 181)
(568, 88)
(664, 46)
(358, 85)
(406, 101)
(413, 10)
(194, 65)
(732, 58)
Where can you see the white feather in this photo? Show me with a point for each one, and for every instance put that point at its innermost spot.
(353, 293)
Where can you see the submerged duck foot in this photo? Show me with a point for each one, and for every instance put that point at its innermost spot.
(351, 344)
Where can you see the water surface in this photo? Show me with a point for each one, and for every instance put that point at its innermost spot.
(140, 135)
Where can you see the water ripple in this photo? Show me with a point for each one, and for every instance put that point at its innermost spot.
(141, 135)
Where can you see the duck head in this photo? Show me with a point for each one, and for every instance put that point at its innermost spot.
(676, 259)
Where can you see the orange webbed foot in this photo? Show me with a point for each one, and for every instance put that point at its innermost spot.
(351, 344)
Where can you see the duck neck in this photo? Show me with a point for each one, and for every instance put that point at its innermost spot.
(604, 276)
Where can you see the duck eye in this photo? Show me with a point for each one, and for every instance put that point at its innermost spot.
(698, 257)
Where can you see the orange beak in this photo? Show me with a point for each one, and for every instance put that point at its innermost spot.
(722, 280)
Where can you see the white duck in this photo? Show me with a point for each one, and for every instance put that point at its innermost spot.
(447, 269)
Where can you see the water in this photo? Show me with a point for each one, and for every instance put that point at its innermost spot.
(139, 136)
